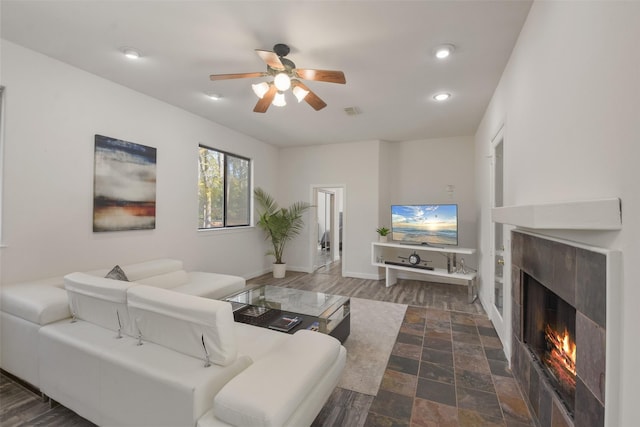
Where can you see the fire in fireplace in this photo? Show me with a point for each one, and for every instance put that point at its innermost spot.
(560, 356)
(549, 332)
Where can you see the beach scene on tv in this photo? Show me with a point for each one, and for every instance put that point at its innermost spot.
(425, 224)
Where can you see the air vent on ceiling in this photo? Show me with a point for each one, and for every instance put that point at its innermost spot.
(352, 111)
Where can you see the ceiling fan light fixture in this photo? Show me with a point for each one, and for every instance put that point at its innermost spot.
(300, 93)
(444, 51)
(282, 81)
(279, 100)
(260, 89)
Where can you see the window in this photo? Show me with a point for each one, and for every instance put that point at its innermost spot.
(224, 189)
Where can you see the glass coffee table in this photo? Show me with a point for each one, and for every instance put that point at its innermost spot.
(269, 306)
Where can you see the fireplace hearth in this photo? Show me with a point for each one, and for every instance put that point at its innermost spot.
(560, 321)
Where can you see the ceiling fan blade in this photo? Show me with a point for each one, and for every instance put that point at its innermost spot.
(265, 101)
(321, 75)
(236, 76)
(311, 98)
(270, 58)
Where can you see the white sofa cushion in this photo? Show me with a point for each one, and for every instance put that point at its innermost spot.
(39, 301)
(268, 392)
(155, 267)
(210, 285)
(99, 300)
(257, 342)
(182, 322)
(114, 382)
(167, 280)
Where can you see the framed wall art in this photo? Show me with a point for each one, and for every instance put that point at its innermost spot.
(124, 186)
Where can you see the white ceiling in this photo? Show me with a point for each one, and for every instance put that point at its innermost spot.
(383, 47)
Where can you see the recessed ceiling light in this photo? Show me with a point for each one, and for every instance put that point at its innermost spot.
(214, 96)
(442, 96)
(443, 51)
(131, 53)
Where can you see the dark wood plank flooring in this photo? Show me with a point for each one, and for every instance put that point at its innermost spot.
(447, 367)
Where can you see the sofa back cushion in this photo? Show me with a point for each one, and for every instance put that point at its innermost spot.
(39, 301)
(155, 267)
(142, 270)
(99, 300)
(185, 323)
(166, 280)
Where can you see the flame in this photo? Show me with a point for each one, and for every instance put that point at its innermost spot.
(562, 354)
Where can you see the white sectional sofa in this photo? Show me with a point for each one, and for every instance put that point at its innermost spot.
(26, 307)
(140, 355)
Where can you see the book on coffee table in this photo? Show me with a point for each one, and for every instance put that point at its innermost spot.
(285, 323)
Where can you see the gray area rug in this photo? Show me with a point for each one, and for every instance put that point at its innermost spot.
(374, 328)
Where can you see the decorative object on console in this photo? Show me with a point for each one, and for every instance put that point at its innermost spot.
(124, 186)
(383, 232)
(280, 225)
(414, 259)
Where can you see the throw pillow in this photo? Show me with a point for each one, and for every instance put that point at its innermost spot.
(117, 273)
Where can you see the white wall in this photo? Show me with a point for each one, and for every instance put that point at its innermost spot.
(52, 112)
(353, 166)
(570, 101)
(423, 171)
(387, 169)
(377, 174)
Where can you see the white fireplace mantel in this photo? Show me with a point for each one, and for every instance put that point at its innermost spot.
(600, 214)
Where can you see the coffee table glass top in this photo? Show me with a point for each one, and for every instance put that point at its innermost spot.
(309, 303)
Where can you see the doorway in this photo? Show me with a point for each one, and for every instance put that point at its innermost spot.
(500, 274)
(328, 234)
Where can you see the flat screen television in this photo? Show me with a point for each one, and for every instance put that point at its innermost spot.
(434, 225)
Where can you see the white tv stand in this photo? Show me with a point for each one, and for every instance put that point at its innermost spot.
(381, 255)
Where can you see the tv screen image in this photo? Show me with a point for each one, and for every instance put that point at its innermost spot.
(435, 224)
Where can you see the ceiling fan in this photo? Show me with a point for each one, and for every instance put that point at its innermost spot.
(285, 76)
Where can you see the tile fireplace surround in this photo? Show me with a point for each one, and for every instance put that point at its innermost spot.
(587, 279)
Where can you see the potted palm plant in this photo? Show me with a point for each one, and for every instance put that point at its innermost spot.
(280, 225)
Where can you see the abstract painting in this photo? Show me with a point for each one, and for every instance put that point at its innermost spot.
(124, 186)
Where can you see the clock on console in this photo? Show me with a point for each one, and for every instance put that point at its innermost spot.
(414, 259)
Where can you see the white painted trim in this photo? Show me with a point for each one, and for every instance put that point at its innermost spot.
(599, 214)
(501, 321)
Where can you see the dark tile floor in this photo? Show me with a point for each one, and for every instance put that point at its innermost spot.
(447, 369)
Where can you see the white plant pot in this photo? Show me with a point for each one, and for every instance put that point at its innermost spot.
(382, 239)
(279, 270)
